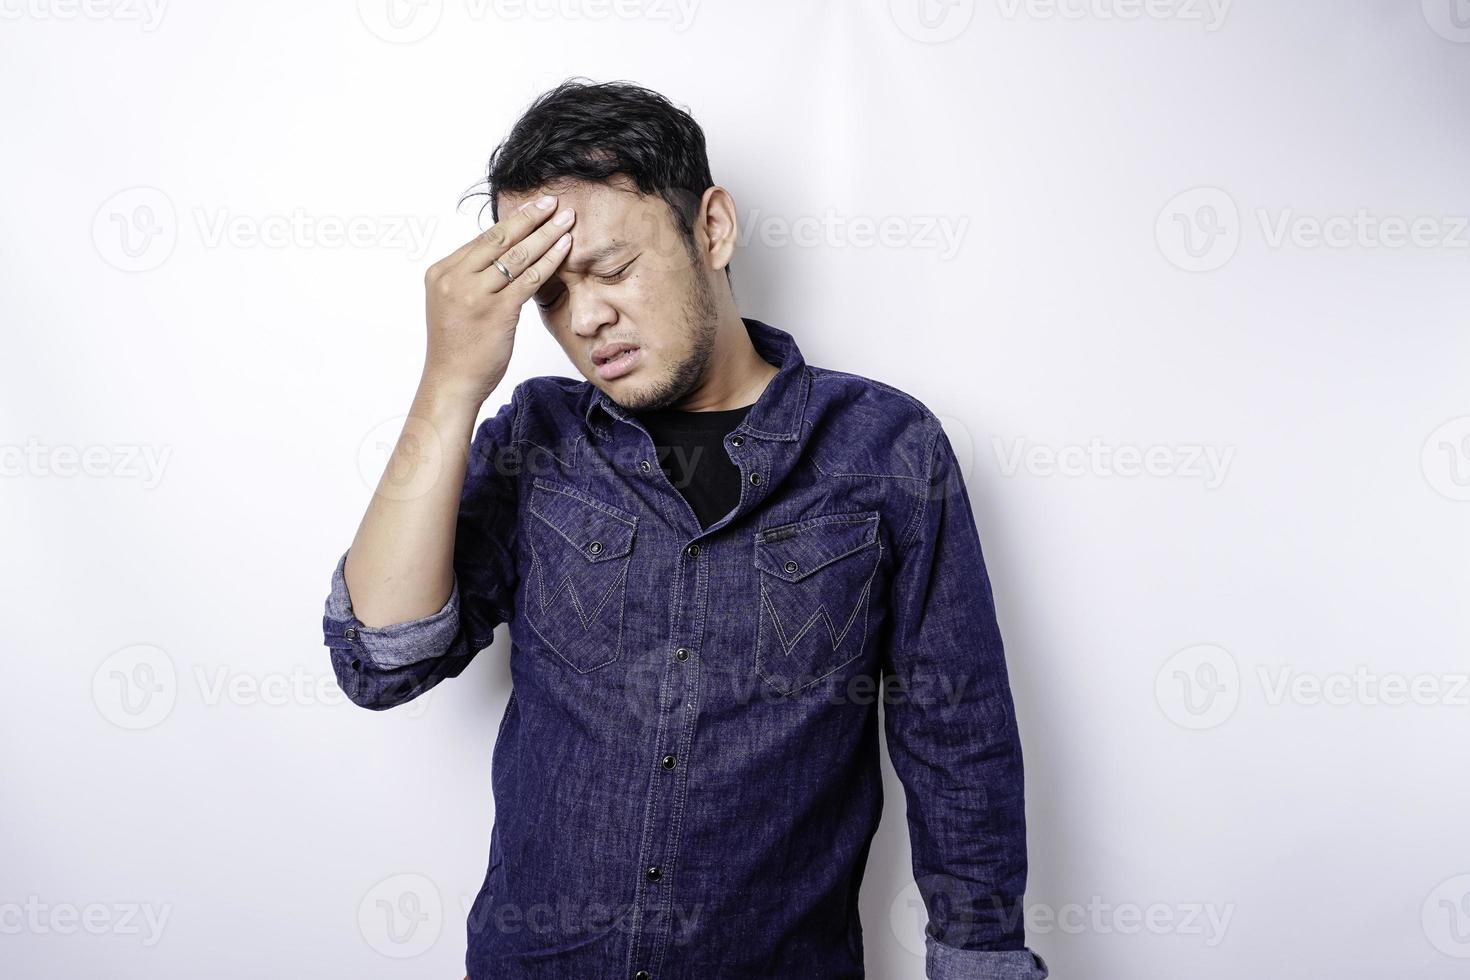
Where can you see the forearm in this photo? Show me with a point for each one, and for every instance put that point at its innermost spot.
(400, 566)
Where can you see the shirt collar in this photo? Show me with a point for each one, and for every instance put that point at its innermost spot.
(776, 414)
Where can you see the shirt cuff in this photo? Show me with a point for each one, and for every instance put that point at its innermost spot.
(943, 962)
(393, 646)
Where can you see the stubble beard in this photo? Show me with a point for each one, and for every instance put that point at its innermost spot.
(701, 322)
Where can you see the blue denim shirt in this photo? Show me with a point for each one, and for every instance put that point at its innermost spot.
(686, 777)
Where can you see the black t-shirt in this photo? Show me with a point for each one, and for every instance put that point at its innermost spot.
(691, 451)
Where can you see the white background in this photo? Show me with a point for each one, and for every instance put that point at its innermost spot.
(1240, 684)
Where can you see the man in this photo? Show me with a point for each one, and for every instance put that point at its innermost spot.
(714, 560)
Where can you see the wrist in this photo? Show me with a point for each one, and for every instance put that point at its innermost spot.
(447, 414)
(447, 400)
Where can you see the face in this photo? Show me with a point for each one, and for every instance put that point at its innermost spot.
(629, 280)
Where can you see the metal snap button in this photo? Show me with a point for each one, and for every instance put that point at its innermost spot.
(350, 633)
(681, 654)
(644, 465)
(790, 566)
(595, 547)
(357, 665)
(737, 440)
(692, 551)
(654, 874)
(755, 478)
(667, 762)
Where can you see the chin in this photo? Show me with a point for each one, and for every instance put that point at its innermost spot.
(623, 391)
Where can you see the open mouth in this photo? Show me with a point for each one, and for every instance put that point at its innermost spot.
(616, 360)
(619, 352)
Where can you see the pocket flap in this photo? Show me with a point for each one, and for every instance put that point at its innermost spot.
(597, 530)
(793, 551)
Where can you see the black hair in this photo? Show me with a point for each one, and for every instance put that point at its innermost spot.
(598, 131)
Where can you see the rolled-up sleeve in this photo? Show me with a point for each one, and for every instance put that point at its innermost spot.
(951, 731)
(943, 962)
(380, 667)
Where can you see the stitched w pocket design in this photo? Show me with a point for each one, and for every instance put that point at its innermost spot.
(816, 579)
(580, 550)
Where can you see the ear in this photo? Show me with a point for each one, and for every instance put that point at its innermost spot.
(716, 227)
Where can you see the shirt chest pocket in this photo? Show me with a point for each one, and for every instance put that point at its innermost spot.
(575, 594)
(815, 585)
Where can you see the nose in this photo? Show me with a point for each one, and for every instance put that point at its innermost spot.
(589, 314)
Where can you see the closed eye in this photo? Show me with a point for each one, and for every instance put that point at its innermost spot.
(619, 274)
(611, 277)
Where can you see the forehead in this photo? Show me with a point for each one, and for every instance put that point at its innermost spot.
(613, 220)
(604, 211)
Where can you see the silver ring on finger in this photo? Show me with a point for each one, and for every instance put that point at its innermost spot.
(504, 271)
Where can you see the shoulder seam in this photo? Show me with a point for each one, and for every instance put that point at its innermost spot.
(922, 510)
(924, 410)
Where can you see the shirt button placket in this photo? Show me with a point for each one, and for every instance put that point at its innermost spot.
(673, 729)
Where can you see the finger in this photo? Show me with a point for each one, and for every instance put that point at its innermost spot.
(499, 237)
(453, 258)
(519, 257)
(539, 272)
(499, 231)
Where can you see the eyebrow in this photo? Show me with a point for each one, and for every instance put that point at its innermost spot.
(596, 255)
